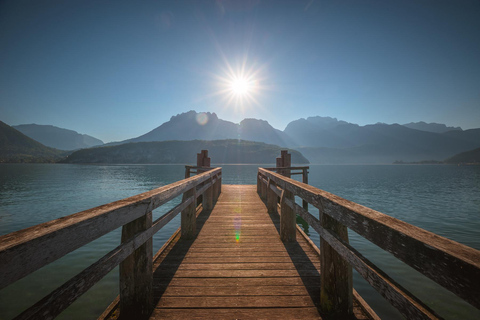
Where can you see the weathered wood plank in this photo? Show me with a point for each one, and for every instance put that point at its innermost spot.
(235, 273)
(238, 301)
(237, 282)
(288, 265)
(250, 313)
(175, 291)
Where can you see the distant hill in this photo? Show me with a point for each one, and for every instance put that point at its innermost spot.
(16, 147)
(468, 157)
(431, 127)
(58, 138)
(207, 126)
(220, 151)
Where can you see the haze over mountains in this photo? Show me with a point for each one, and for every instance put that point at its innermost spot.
(320, 139)
(220, 151)
(58, 138)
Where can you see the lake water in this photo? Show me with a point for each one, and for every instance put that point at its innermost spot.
(441, 199)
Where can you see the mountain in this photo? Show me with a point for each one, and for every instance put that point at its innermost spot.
(58, 138)
(207, 126)
(220, 151)
(17, 147)
(470, 135)
(327, 140)
(320, 132)
(431, 127)
(468, 157)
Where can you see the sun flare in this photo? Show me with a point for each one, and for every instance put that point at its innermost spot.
(240, 87)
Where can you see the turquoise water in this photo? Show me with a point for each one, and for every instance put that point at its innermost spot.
(441, 199)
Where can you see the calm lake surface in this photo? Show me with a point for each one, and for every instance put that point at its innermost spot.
(442, 199)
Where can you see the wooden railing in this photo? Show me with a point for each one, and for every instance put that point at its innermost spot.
(452, 265)
(26, 251)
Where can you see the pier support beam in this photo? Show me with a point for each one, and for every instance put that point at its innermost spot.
(136, 277)
(288, 229)
(188, 218)
(272, 198)
(208, 197)
(336, 274)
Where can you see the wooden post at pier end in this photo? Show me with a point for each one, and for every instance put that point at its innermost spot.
(285, 160)
(136, 275)
(203, 160)
(336, 274)
(305, 180)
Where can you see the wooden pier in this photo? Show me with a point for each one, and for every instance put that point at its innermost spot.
(239, 253)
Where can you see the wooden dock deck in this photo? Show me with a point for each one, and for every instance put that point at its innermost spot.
(237, 267)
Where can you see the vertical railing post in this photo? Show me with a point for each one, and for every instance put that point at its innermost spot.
(136, 276)
(259, 185)
(288, 230)
(216, 189)
(335, 273)
(305, 180)
(188, 217)
(208, 197)
(264, 191)
(271, 198)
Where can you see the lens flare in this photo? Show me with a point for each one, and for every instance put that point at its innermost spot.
(237, 224)
(202, 118)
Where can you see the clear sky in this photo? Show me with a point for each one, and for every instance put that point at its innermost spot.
(118, 69)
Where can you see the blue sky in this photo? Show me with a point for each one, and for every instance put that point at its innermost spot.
(118, 69)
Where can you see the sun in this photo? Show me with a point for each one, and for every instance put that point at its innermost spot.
(241, 86)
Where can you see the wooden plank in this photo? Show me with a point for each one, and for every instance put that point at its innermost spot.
(250, 313)
(193, 291)
(288, 265)
(449, 263)
(237, 301)
(235, 273)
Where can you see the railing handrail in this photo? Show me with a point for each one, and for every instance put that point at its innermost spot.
(286, 168)
(25, 251)
(449, 263)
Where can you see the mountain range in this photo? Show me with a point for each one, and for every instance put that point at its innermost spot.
(58, 138)
(207, 126)
(326, 140)
(323, 139)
